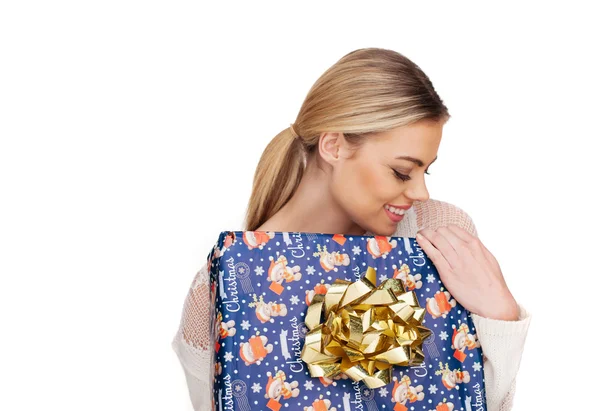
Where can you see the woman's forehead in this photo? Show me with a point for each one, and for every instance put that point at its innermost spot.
(418, 145)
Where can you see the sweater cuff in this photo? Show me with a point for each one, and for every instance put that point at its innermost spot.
(495, 327)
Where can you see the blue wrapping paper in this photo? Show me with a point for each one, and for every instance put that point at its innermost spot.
(262, 284)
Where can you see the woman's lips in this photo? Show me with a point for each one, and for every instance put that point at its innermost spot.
(394, 217)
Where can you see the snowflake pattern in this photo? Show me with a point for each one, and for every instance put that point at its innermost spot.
(310, 270)
(294, 300)
(256, 387)
(383, 392)
(308, 385)
(245, 325)
(477, 366)
(443, 336)
(432, 389)
(356, 250)
(228, 356)
(430, 278)
(259, 270)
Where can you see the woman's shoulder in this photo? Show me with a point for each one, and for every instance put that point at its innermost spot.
(437, 213)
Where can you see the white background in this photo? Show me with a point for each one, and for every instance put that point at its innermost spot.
(130, 131)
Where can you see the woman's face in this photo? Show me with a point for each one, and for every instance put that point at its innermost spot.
(375, 175)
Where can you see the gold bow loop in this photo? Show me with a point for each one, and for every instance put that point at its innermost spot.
(366, 330)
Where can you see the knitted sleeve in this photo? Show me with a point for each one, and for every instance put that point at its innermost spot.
(194, 339)
(502, 342)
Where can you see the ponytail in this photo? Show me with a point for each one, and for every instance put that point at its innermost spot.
(276, 178)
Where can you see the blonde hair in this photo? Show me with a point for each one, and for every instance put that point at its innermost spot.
(367, 91)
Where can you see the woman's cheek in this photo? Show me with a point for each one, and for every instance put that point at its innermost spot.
(368, 178)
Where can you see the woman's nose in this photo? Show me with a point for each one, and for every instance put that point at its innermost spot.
(417, 189)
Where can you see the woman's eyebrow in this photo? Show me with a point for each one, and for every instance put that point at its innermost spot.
(415, 160)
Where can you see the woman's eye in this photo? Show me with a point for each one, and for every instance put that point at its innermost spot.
(401, 176)
(404, 177)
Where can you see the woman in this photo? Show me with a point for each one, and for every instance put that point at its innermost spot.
(354, 163)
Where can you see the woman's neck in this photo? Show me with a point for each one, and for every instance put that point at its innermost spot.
(312, 209)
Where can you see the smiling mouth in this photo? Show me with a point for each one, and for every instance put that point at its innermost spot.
(395, 210)
(396, 215)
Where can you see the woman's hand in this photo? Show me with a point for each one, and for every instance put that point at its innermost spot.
(469, 271)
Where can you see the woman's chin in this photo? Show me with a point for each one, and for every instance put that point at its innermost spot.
(386, 230)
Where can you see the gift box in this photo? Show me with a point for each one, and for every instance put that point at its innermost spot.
(324, 322)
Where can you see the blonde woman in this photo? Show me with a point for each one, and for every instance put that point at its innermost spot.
(354, 162)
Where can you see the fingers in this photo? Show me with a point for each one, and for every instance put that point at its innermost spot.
(492, 260)
(446, 242)
(441, 264)
(461, 233)
(473, 242)
(471, 239)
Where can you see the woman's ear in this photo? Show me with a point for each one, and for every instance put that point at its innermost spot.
(329, 146)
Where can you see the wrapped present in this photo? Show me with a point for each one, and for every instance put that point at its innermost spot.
(324, 322)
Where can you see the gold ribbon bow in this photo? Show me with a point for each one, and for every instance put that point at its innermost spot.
(367, 329)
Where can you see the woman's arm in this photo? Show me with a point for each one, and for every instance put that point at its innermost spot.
(501, 341)
(194, 341)
(502, 344)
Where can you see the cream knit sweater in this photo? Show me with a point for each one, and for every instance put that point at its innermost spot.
(502, 342)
